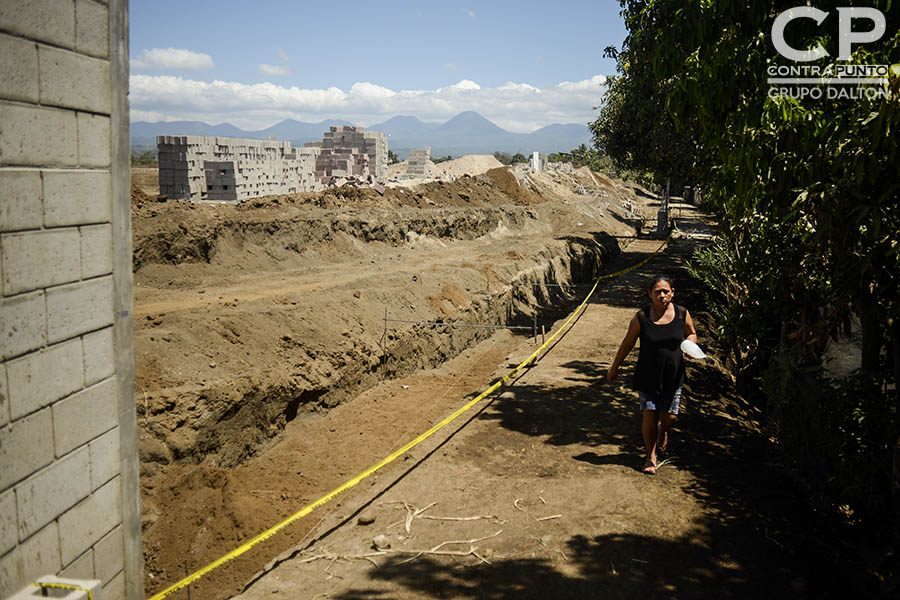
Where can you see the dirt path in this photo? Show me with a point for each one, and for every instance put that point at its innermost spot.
(538, 495)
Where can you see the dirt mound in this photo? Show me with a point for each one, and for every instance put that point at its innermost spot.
(507, 183)
(470, 164)
(137, 195)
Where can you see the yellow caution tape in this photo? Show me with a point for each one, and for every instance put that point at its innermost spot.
(394, 455)
(62, 586)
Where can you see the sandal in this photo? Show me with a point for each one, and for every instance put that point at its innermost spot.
(649, 468)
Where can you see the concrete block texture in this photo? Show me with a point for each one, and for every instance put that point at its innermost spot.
(93, 140)
(9, 529)
(80, 568)
(18, 69)
(36, 556)
(39, 259)
(89, 521)
(46, 495)
(73, 81)
(84, 416)
(23, 324)
(99, 361)
(115, 588)
(25, 447)
(92, 28)
(4, 399)
(24, 140)
(51, 21)
(41, 378)
(79, 308)
(109, 556)
(104, 458)
(96, 250)
(76, 197)
(20, 200)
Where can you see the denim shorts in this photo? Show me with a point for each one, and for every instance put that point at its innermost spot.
(654, 402)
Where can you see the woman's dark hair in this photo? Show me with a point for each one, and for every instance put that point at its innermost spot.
(657, 279)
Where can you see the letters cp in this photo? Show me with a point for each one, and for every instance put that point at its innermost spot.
(848, 37)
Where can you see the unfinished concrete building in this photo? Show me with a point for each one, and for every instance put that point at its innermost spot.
(232, 169)
(417, 164)
(334, 164)
(338, 159)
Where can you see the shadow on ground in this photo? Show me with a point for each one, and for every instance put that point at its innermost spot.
(759, 540)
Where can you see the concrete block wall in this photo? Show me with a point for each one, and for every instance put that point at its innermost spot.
(417, 163)
(190, 167)
(371, 143)
(69, 498)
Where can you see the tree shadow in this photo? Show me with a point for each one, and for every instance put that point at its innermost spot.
(700, 565)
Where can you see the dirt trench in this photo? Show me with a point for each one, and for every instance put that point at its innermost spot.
(226, 420)
(257, 324)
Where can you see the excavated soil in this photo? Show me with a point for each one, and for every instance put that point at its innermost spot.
(257, 323)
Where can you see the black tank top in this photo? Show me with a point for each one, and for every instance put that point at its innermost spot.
(660, 365)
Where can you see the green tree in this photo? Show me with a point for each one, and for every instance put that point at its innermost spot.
(809, 200)
(503, 157)
(392, 158)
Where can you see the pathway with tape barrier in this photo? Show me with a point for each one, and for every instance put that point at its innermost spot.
(536, 492)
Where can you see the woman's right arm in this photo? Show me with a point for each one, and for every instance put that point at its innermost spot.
(628, 342)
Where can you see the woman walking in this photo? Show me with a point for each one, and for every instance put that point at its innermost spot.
(659, 373)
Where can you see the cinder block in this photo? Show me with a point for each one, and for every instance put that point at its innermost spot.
(74, 81)
(25, 447)
(92, 28)
(23, 326)
(96, 250)
(76, 197)
(105, 462)
(46, 20)
(84, 416)
(99, 360)
(49, 493)
(79, 308)
(24, 140)
(18, 69)
(94, 146)
(109, 555)
(94, 517)
(36, 556)
(38, 259)
(41, 378)
(20, 200)
(80, 568)
(115, 588)
(9, 531)
(4, 400)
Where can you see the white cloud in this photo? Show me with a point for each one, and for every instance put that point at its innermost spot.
(275, 70)
(172, 58)
(595, 82)
(515, 106)
(282, 55)
(469, 12)
(465, 84)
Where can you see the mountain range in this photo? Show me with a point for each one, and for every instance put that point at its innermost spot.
(466, 133)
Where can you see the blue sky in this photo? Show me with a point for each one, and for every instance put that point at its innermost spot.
(522, 64)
